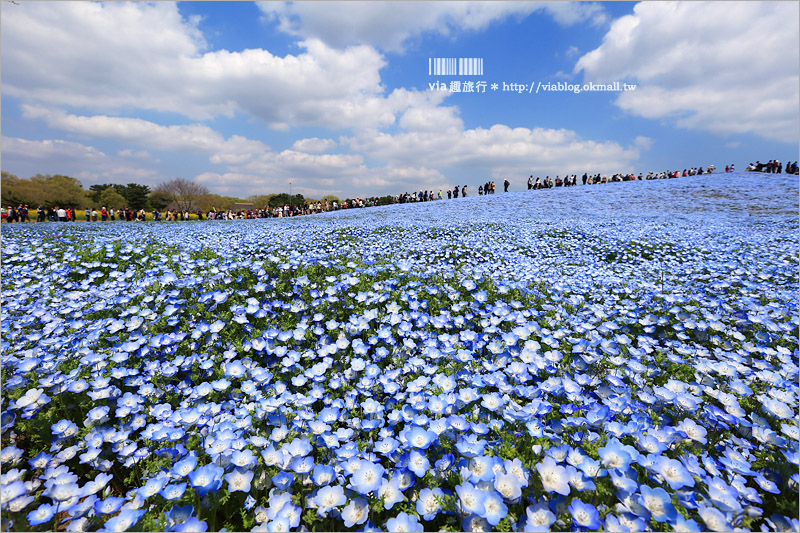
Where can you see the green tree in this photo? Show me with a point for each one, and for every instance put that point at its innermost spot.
(260, 200)
(159, 199)
(278, 200)
(283, 199)
(43, 189)
(222, 203)
(111, 199)
(136, 196)
(15, 191)
(330, 198)
(96, 190)
(65, 191)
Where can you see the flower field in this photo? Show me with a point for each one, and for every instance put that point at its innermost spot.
(620, 357)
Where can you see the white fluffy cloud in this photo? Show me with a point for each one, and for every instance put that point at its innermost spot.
(314, 145)
(107, 59)
(87, 163)
(140, 154)
(116, 56)
(99, 55)
(432, 151)
(504, 150)
(389, 25)
(250, 166)
(192, 138)
(16, 148)
(313, 175)
(723, 67)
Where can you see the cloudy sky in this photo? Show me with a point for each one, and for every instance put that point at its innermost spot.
(344, 98)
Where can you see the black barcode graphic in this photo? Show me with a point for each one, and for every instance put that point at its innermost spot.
(455, 66)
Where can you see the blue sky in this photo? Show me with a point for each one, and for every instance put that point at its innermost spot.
(334, 96)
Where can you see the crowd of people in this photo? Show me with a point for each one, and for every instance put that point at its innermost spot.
(21, 213)
(56, 214)
(596, 179)
(773, 166)
(274, 212)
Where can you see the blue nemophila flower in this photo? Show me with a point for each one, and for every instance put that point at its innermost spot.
(481, 468)
(613, 523)
(471, 446)
(64, 428)
(329, 497)
(471, 498)
(390, 492)
(7, 420)
(282, 480)
(475, 523)
(124, 520)
(368, 477)
(298, 448)
(723, 495)
(714, 519)
(693, 430)
(243, 458)
(673, 472)
(614, 454)
(509, 486)
(191, 524)
(494, 508)
(584, 515)
(429, 503)
(539, 517)
(776, 408)
(235, 369)
(98, 415)
(302, 465)
(206, 479)
(403, 522)
(152, 486)
(239, 480)
(41, 460)
(323, 474)
(40, 515)
(284, 511)
(386, 446)
(650, 444)
(418, 437)
(173, 492)
(767, 484)
(418, 463)
(579, 480)
(11, 490)
(356, 512)
(518, 469)
(108, 506)
(98, 483)
(183, 467)
(554, 477)
(63, 492)
(82, 507)
(658, 502)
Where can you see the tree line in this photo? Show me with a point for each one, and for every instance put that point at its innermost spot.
(176, 194)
